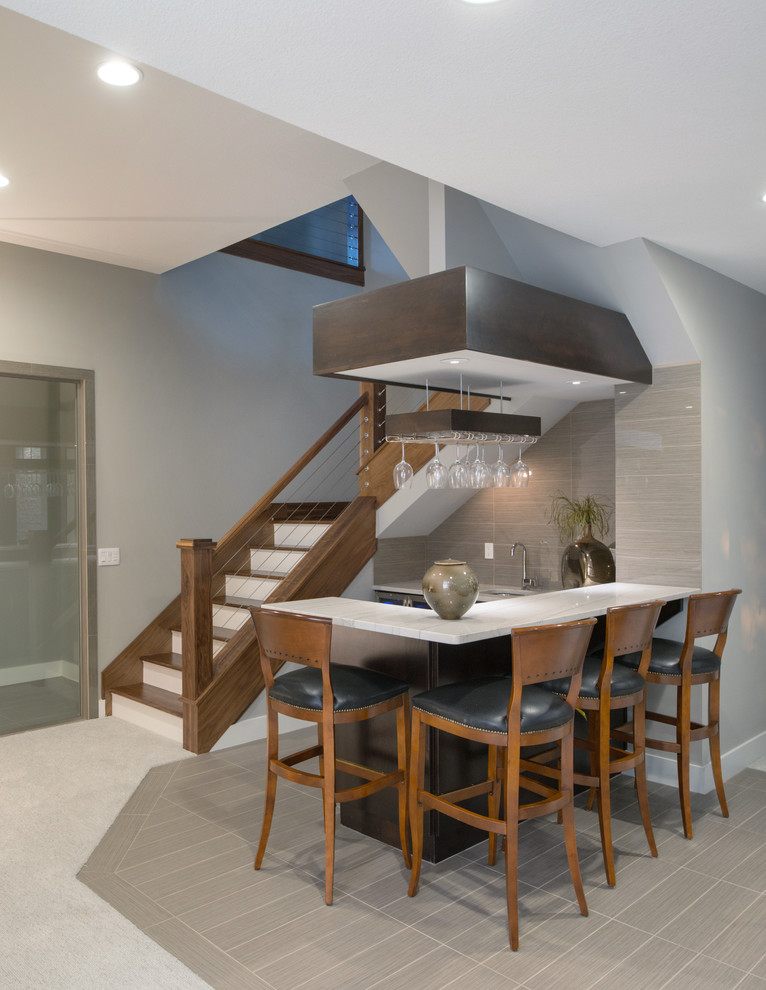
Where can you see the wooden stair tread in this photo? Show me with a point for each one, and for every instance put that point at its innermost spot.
(285, 546)
(223, 632)
(154, 697)
(235, 601)
(268, 575)
(307, 512)
(171, 660)
(219, 632)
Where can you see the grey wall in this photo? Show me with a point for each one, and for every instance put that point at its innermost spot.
(727, 324)
(204, 396)
(658, 466)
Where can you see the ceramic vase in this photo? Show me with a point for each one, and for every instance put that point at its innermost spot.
(450, 587)
(587, 561)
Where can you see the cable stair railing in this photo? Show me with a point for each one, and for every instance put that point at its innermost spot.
(305, 520)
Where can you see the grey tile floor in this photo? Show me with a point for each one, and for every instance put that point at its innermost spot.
(178, 863)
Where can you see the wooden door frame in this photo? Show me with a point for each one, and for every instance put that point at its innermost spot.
(86, 511)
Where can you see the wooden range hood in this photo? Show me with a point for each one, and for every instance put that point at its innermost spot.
(484, 326)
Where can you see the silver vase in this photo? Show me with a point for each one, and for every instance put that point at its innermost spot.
(587, 561)
(450, 587)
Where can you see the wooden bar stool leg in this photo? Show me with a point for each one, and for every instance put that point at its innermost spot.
(604, 796)
(683, 730)
(511, 842)
(272, 748)
(495, 765)
(714, 693)
(567, 815)
(593, 737)
(320, 740)
(639, 745)
(403, 752)
(417, 780)
(328, 801)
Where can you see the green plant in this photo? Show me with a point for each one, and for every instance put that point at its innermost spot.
(572, 515)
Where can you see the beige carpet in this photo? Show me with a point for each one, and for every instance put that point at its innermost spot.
(60, 790)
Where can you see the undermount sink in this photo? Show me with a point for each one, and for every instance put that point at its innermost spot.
(507, 592)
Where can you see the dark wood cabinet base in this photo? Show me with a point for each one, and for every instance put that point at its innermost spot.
(451, 762)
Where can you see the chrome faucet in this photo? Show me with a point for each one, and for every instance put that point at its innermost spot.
(525, 581)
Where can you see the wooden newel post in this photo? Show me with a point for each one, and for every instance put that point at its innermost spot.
(196, 615)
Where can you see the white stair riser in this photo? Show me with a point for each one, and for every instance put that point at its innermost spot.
(167, 678)
(218, 644)
(275, 561)
(289, 534)
(249, 587)
(230, 616)
(163, 723)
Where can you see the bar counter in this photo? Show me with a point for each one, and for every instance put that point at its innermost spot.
(486, 620)
(415, 645)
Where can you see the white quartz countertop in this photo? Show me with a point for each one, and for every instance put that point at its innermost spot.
(486, 619)
(486, 594)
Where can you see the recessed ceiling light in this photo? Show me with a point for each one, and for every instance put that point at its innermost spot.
(4, 180)
(116, 72)
(763, 198)
(454, 360)
(576, 382)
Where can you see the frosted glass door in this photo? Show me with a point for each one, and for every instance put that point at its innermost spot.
(41, 680)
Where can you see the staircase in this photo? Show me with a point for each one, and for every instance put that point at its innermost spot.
(195, 669)
(155, 702)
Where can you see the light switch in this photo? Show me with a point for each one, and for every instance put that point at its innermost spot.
(108, 556)
(489, 551)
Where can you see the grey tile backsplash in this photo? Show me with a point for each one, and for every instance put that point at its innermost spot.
(658, 461)
(641, 452)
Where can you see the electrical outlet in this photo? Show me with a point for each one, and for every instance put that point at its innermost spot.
(489, 551)
(108, 556)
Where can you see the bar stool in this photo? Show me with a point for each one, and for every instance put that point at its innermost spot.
(328, 694)
(505, 713)
(685, 665)
(607, 687)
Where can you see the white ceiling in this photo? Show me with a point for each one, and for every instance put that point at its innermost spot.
(605, 119)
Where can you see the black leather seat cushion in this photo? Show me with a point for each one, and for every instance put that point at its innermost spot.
(483, 704)
(352, 687)
(666, 656)
(624, 680)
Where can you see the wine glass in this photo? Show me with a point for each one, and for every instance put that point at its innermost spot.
(459, 476)
(481, 475)
(519, 473)
(437, 475)
(501, 473)
(403, 472)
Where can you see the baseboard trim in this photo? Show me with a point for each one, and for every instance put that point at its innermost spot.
(23, 673)
(663, 769)
(250, 729)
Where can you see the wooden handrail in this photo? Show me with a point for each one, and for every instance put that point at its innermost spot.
(215, 692)
(201, 558)
(232, 541)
